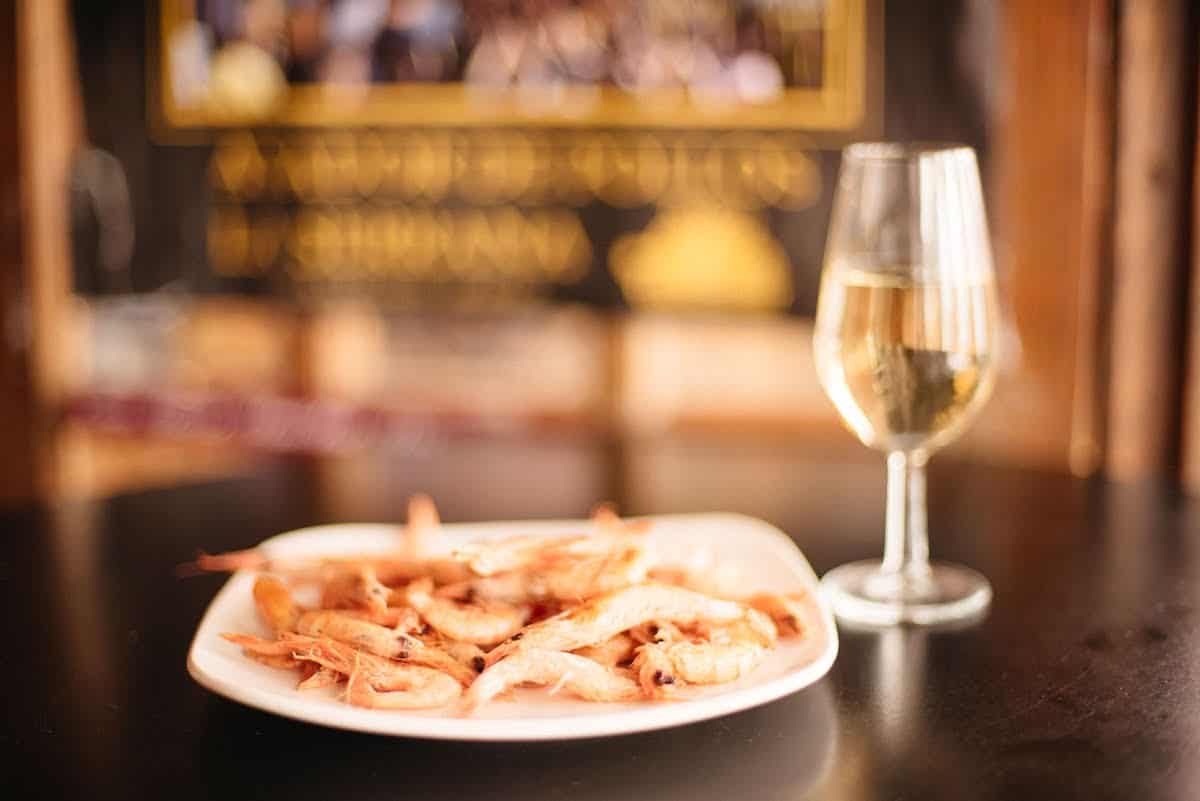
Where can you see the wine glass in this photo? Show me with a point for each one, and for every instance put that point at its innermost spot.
(905, 343)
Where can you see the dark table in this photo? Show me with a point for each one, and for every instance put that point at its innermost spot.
(1083, 683)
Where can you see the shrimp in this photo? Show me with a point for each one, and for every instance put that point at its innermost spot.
(729, 651)
(377, 639)
(399, 686)
(688, 579)
(260, 646)
(481, 624)
(465, 653)
(307, 570)
(616, 650)
(277, 662)
(356, 588)
(518, 553)
(509, 588)
(397, 618)
(607, 522)
(414, 651)
(580, 676)
(654, 671)
(603, 617)
(275, 605)
(583, 578)
(423, 524)
(787, 611)
(272, 653)
(655, 631)
(318, 677)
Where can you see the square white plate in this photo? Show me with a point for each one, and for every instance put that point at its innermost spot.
(746, 554)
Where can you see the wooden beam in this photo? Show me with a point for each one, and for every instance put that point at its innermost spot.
(16, 396)
(50, 128)
(1089, 409)
(1155, 105)
(1037, 183)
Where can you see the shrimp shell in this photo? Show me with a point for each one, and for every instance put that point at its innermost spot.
(416, 652)
(510, 588)
(608, 615)
(465, 653)
(789, 612)
(518, 553)
(397, 618)
(399, 686)
(583, 578)
(319, 677)
(503, 556)
(481, 624)
(654, 671)
(582, 677)
(616, 650)
(356, 588)
(277, 662)
(730, 651)
(259, 646)
(372, 637)
(275, 605)
(422, 526)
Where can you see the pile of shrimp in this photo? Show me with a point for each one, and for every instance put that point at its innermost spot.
(592, 615)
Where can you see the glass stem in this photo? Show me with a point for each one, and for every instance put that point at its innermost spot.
(906, 536)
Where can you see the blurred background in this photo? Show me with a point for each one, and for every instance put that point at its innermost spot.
(576, 243)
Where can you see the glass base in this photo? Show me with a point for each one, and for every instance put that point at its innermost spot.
(945, 593)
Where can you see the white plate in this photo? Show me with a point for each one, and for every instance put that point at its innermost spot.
(747, 555)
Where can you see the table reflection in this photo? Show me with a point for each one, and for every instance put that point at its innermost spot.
(779, 751)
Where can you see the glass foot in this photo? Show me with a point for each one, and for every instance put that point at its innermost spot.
(861, 593)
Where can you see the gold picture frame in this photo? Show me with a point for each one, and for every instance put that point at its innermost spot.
(845, 102)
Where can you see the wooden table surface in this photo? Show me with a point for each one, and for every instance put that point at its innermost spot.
(1083, 682)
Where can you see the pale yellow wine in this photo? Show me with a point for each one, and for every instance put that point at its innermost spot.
(907, 364)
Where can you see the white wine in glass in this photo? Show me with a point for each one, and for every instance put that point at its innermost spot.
(905, 348)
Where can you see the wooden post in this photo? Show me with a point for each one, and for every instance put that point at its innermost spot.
(1155, 108)
(1088, 408)
(49, 127)
(1190, 466)
(16, 395)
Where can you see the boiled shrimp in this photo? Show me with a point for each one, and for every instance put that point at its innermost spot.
(275, 605)
(503, 556)
(509, 588)
(518, 553)
(356, 588)
(481, 624)
(582, 677)
(608, 615)
(616, 650)
(422, 526)
(372, 637)
(789, 612)
(415, 652)
(607, 522)
(466, 654)
(272, 653)
(318, 677)
(583, 578)
(399, 687)
(727, 652)
(397, 618)
(654, 672)
(655, 631)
